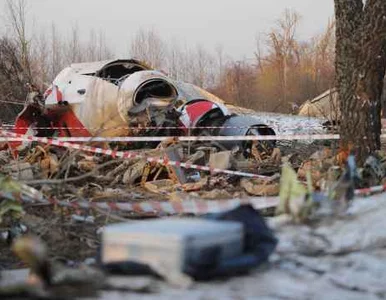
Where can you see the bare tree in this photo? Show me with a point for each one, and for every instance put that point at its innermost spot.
(17, 19)
(148, 46)
(202, 69)
(103, 50)
(360, 70)
(186, 63)
(219, 49)
(174, 58)
(239, 83)
(40, 61)
(57, 48)
(74, 47)
(259, 54)
(12, 81)
(283, 47)
(92, 51)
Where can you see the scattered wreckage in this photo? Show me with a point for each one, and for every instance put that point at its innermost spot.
(336, 249)
(325, 105)
(127, 98)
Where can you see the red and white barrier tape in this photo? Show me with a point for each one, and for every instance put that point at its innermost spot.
(371, 190)
(289, 137)
(127, 154)
(7, 127)
(197, 207)
(102, 129)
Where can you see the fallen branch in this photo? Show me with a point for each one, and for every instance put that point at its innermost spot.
(72, 179)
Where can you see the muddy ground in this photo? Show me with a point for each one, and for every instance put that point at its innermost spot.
(68, 239)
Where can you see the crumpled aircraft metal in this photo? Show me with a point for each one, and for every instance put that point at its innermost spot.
(108, 98)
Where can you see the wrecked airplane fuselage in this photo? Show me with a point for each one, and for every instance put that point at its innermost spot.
(127, 98)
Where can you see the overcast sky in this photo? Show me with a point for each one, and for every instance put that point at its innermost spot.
(232, 23)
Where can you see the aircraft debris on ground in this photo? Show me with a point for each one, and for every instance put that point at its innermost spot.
(127, 98)
(59, 199)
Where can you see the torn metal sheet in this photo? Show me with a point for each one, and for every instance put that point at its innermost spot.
(145, 89)
(202, 113)
(325, 106)
(176, 173)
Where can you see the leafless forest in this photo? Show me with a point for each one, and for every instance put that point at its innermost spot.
(284, 72)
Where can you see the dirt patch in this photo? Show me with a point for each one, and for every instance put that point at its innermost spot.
(66, 238)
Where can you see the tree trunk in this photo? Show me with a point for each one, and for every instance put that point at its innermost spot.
(360, 69)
